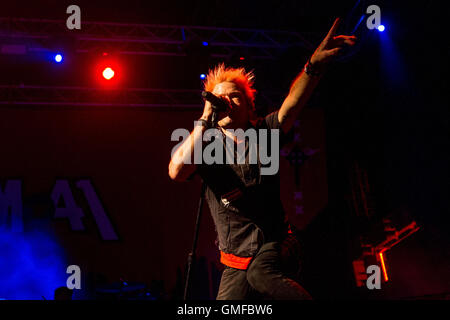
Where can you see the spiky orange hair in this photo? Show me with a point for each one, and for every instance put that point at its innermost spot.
(244, 80)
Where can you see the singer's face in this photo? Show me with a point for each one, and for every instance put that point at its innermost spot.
(238, 115)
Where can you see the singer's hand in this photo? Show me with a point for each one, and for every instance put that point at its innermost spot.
(208, 110)
(331, 45)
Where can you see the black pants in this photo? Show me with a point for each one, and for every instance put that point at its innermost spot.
(264, 278)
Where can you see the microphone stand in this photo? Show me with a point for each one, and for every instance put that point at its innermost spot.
(192, 256)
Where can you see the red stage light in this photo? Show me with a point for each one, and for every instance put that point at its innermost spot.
(383, 266)
(108, 73)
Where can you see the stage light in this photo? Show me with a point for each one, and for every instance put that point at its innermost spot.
(205, 43)
(108, 73)
(108, 70)
(383, 266)
(381, 28)
(58, 58)
(202, 76)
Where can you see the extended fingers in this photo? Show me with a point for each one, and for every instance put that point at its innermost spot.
(350, 40)
(334, 28)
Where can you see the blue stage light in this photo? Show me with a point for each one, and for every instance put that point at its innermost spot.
(381, 28)
(205, 43)
(32, 263)
(202, 76)
(58, 58)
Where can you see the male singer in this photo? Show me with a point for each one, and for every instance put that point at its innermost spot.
(245, 205)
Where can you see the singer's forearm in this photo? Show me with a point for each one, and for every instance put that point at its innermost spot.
(301, 90)
(181, 165)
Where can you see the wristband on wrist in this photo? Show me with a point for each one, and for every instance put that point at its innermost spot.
(311, 69)
(204, 123)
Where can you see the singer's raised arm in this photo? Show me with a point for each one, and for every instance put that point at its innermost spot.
(304, 84)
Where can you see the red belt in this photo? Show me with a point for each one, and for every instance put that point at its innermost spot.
(233, 261)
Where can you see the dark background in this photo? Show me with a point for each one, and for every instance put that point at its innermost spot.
(383, 108)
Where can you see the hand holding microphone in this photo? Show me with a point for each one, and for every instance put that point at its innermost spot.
(214, 107)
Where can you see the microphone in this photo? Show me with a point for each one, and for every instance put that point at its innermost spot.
(217, 104)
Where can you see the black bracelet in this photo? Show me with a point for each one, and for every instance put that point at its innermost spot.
(311, 70)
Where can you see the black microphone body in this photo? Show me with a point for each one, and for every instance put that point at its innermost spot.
(217, 104)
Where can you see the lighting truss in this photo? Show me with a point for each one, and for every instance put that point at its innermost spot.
(35, 35)
(146, 39)
(28, 95)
